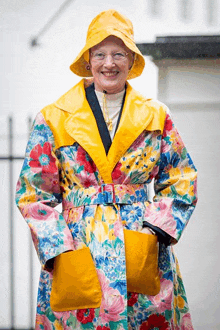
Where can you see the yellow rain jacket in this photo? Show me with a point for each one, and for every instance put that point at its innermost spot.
(103, 195)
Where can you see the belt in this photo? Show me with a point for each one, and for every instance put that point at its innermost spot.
(106, 194)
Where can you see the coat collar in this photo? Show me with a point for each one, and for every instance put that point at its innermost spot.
(137, 115)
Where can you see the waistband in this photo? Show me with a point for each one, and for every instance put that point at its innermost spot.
(107, 194)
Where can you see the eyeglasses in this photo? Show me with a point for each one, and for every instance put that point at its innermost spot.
(117, 57)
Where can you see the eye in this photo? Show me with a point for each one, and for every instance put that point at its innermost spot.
(119, 56)
(99, 56)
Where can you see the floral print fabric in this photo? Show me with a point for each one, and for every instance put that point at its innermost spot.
(69, 176)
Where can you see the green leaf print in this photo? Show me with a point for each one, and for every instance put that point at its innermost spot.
(181, 289)
(71, 321)
(144, 301)
(80, 169)
(50, 315)
(97, 311)
(184, 153)
(168, 315)
(118, 325)
(87, 326)
(177, 315)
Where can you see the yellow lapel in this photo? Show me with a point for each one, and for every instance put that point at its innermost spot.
(81, 125)
(136, 116)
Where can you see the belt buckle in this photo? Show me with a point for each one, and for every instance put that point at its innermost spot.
(105, 188)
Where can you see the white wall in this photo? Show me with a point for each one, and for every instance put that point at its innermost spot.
(34, 77)
(191, 89)
(198, 250)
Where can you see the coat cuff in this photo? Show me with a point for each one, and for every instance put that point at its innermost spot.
(163, 237)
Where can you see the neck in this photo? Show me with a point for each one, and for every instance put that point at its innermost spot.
(109, 91)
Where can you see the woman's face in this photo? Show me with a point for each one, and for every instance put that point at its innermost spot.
(110, 62)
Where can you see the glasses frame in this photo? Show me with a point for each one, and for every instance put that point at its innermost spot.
(99, 60)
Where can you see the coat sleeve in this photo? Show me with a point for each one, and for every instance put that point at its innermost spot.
(175, 185)
(38, 192)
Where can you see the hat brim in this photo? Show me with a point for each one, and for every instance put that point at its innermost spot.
(79, 65)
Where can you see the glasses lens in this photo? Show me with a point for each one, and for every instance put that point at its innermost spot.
(118, 56)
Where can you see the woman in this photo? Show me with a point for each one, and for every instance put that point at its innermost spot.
(95, 151)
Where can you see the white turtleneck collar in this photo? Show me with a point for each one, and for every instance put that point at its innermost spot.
(114, 102)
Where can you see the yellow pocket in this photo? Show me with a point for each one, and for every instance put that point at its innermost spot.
(75, 282)
(142, 272)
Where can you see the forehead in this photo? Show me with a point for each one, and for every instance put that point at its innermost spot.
(111, 42)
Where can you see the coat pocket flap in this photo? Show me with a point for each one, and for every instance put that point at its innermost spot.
(75, 282)
(142, 271)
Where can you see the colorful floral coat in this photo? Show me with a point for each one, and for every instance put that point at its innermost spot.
(66, 163)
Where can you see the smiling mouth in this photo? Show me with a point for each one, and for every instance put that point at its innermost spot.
(110, 74)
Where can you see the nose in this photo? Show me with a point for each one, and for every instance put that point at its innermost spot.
(109, 61)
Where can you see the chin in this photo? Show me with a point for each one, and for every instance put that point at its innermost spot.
(113, 88)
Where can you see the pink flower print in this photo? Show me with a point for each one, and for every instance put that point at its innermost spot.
(42, 321)
(118, 230)
(165, 147)
(40, 120)
(18, 186)
(160, 214)
(104, 282)
(112, 302)
(112, 305)
(87, 180)
(186, 323)
(40, 211)
(65, 316)
(163, 300)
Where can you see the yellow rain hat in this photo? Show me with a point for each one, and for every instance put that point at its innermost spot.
(107, 23)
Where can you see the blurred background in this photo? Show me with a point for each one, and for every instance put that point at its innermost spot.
(181, 41)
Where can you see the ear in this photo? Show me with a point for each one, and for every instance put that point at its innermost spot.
(131, 60)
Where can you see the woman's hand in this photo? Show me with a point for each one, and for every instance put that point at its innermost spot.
(49, 265)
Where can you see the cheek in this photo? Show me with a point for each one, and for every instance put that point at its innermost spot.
(95, 69)
(125, 68)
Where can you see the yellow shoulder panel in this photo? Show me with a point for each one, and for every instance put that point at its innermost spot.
(159, 114)
(55, 118)
(156, 108)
